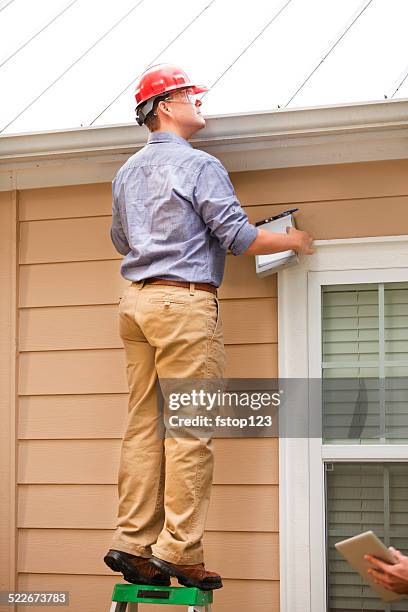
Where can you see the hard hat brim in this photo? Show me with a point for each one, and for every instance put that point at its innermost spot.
(199, 89)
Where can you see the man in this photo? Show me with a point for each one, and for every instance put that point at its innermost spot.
(174, 216)
(392, 577)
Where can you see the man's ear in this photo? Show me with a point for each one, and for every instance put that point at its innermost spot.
(164, 105)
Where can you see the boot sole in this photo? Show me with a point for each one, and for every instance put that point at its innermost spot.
(130, 574)
(168, 568)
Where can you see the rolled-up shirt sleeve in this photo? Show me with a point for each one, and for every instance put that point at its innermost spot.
(117, 234)
(214, 199)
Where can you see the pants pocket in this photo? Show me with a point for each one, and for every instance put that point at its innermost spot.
(213, 322)
(168, 302)
(168, 299)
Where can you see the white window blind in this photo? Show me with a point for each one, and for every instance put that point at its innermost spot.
(365, 363)
(365, 401)
(362, 496)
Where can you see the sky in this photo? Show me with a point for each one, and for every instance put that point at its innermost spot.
(259, 55)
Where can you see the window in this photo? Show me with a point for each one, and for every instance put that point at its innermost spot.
(365, 362)
(343, 317)
(362, 496)
(364, 365)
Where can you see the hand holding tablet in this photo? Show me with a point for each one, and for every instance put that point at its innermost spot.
(394, 576)
(356, 550)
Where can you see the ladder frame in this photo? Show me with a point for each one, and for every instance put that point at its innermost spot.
(126, 597)
(133, 606)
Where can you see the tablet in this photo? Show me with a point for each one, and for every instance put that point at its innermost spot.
(353, 550)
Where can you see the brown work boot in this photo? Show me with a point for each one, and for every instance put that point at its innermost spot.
(137, 570)
(190, 575)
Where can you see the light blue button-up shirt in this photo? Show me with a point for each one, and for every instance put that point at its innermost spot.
(175, 213)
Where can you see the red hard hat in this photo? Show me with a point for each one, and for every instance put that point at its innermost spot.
(158, 80)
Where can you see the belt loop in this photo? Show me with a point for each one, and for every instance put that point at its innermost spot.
(192, 288)
(142, 283)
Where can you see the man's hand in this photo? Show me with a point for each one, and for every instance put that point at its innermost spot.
(392, 577)
(302, 242)
(271, 242)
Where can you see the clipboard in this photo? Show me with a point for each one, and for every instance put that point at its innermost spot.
(271, 263)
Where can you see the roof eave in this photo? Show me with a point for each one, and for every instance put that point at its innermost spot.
(240, 130)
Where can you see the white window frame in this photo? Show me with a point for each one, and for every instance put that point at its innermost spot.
(301, 461)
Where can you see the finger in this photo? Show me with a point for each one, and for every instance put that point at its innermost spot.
(385, 585)
(380, 578)
(377, 574)
(376, 562)
(397, 553)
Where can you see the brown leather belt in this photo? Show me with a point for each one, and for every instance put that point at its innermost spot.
(163, 281)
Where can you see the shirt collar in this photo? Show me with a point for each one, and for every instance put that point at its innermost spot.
(155, 137)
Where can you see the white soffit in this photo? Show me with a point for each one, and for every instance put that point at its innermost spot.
(255, 141)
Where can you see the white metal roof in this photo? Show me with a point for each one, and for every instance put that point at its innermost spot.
(71, 63)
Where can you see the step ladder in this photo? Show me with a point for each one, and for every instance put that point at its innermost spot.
(126, 597)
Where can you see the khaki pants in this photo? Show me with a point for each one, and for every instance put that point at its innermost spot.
(164, 484)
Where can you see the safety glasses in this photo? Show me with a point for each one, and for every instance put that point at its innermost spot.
(189, 98)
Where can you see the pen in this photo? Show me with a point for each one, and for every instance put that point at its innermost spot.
(283, 214)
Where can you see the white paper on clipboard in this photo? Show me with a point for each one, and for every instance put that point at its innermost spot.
(269, 264)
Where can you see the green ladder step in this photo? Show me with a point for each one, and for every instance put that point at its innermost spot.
(132, 594)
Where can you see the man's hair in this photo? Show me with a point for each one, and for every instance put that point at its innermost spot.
(152, 120)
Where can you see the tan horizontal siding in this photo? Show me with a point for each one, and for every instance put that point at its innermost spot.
(288, 186)
(90, 593)
(280, 186)
(326, 220)
(251, 321)
(80, 551)
(95, 507)
(72, 416)
(104, 371)
(66, 240)
(99, 282)
(64, 202)
(95, 282)
(97, 461)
